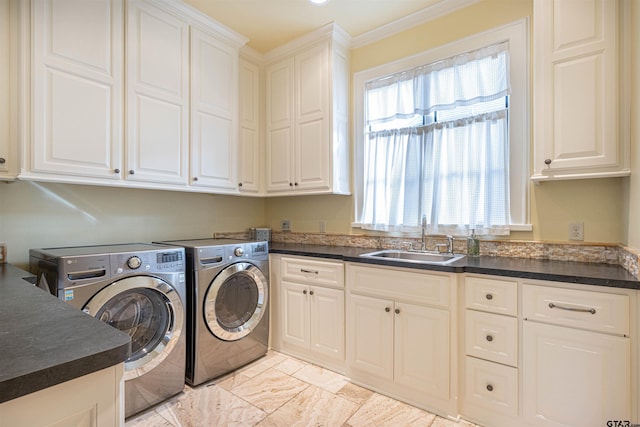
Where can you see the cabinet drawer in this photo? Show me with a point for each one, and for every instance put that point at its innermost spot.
(494, 296)
(596, 311)
(492, 386)
(313, 272)
(400, 285)
(492, 337)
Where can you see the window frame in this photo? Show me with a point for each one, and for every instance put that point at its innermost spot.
(517, 34)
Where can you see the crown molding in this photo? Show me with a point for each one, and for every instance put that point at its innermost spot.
(420, 17)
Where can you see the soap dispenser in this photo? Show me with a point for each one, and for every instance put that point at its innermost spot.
(473, 244)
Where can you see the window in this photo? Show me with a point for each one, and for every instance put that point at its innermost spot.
(447, 138)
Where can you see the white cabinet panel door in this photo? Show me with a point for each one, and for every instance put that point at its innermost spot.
(280, 122)
(573, 377)
(422, 349)
(327, 322)
(157, 95)
(295, 314)
(214, 111)
(250, 155)
(576, 73)
(371, 335)
(77, 88)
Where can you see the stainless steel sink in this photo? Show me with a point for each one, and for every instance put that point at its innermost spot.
(414, 257)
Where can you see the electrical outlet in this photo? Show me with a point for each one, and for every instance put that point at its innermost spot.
(3, 253)
(323, 226)
(576, 231)
(285, 225)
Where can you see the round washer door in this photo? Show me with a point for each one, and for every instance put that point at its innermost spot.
(149, 310)
(236, 301)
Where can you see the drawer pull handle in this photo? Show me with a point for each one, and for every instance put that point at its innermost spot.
(580, 310)
(489, 338)
(489, 297)
(489, 387)
(387, 309)
(304, 270)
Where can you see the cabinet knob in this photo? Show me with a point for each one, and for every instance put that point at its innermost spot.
(387, 309)
(489, 297)
(116, 170)
(310, 292)
(304, 292)
(239, 184)
(132, 172)
(547, 162)
(489, 338)
(295, 183)
(2, 160)
(291, 184)
(195, 178)
(397, 310)
(489, 387)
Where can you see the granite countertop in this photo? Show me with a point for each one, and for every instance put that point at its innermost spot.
(558, 271)
(45, 342)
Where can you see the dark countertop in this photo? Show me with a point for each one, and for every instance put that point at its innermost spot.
(45, 342)
(558, 271)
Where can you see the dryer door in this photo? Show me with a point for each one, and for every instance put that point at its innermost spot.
(236, 301)
(149, 310)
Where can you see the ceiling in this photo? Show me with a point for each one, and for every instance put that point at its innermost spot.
(270, 23)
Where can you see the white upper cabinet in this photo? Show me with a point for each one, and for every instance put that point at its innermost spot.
(306, 115)
(8, 145)
(214, 113)
(250, 177)
(578, 84)
(174, 78)
(77, 89)
(157, 95)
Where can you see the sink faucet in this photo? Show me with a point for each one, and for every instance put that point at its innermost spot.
(423, 244)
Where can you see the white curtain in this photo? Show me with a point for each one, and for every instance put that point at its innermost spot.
(453, 171)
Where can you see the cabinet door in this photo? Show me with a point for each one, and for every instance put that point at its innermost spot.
(327, 322)
(371, 335)
(422, 349)
(312, 156)
(214, 115)
(77, 88)
(157, 95)
(280, 122)
(576, 85)
(8, 158)
(249, 127)
(295, 314)
(573, 377)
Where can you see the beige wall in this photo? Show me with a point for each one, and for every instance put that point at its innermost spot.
(600, 204)
(46, 215)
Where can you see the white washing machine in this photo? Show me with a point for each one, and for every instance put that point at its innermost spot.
(137, 288)
(227, 305)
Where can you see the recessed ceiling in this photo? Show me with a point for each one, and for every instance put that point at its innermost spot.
(270, 23)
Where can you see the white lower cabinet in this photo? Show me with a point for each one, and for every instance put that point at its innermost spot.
(310, 300)
(399, 334)
(573, 374)
(93, 400)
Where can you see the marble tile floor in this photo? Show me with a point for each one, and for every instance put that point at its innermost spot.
(279, 390)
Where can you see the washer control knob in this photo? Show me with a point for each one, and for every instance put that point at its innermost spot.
(134, 262)
(238, 251)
